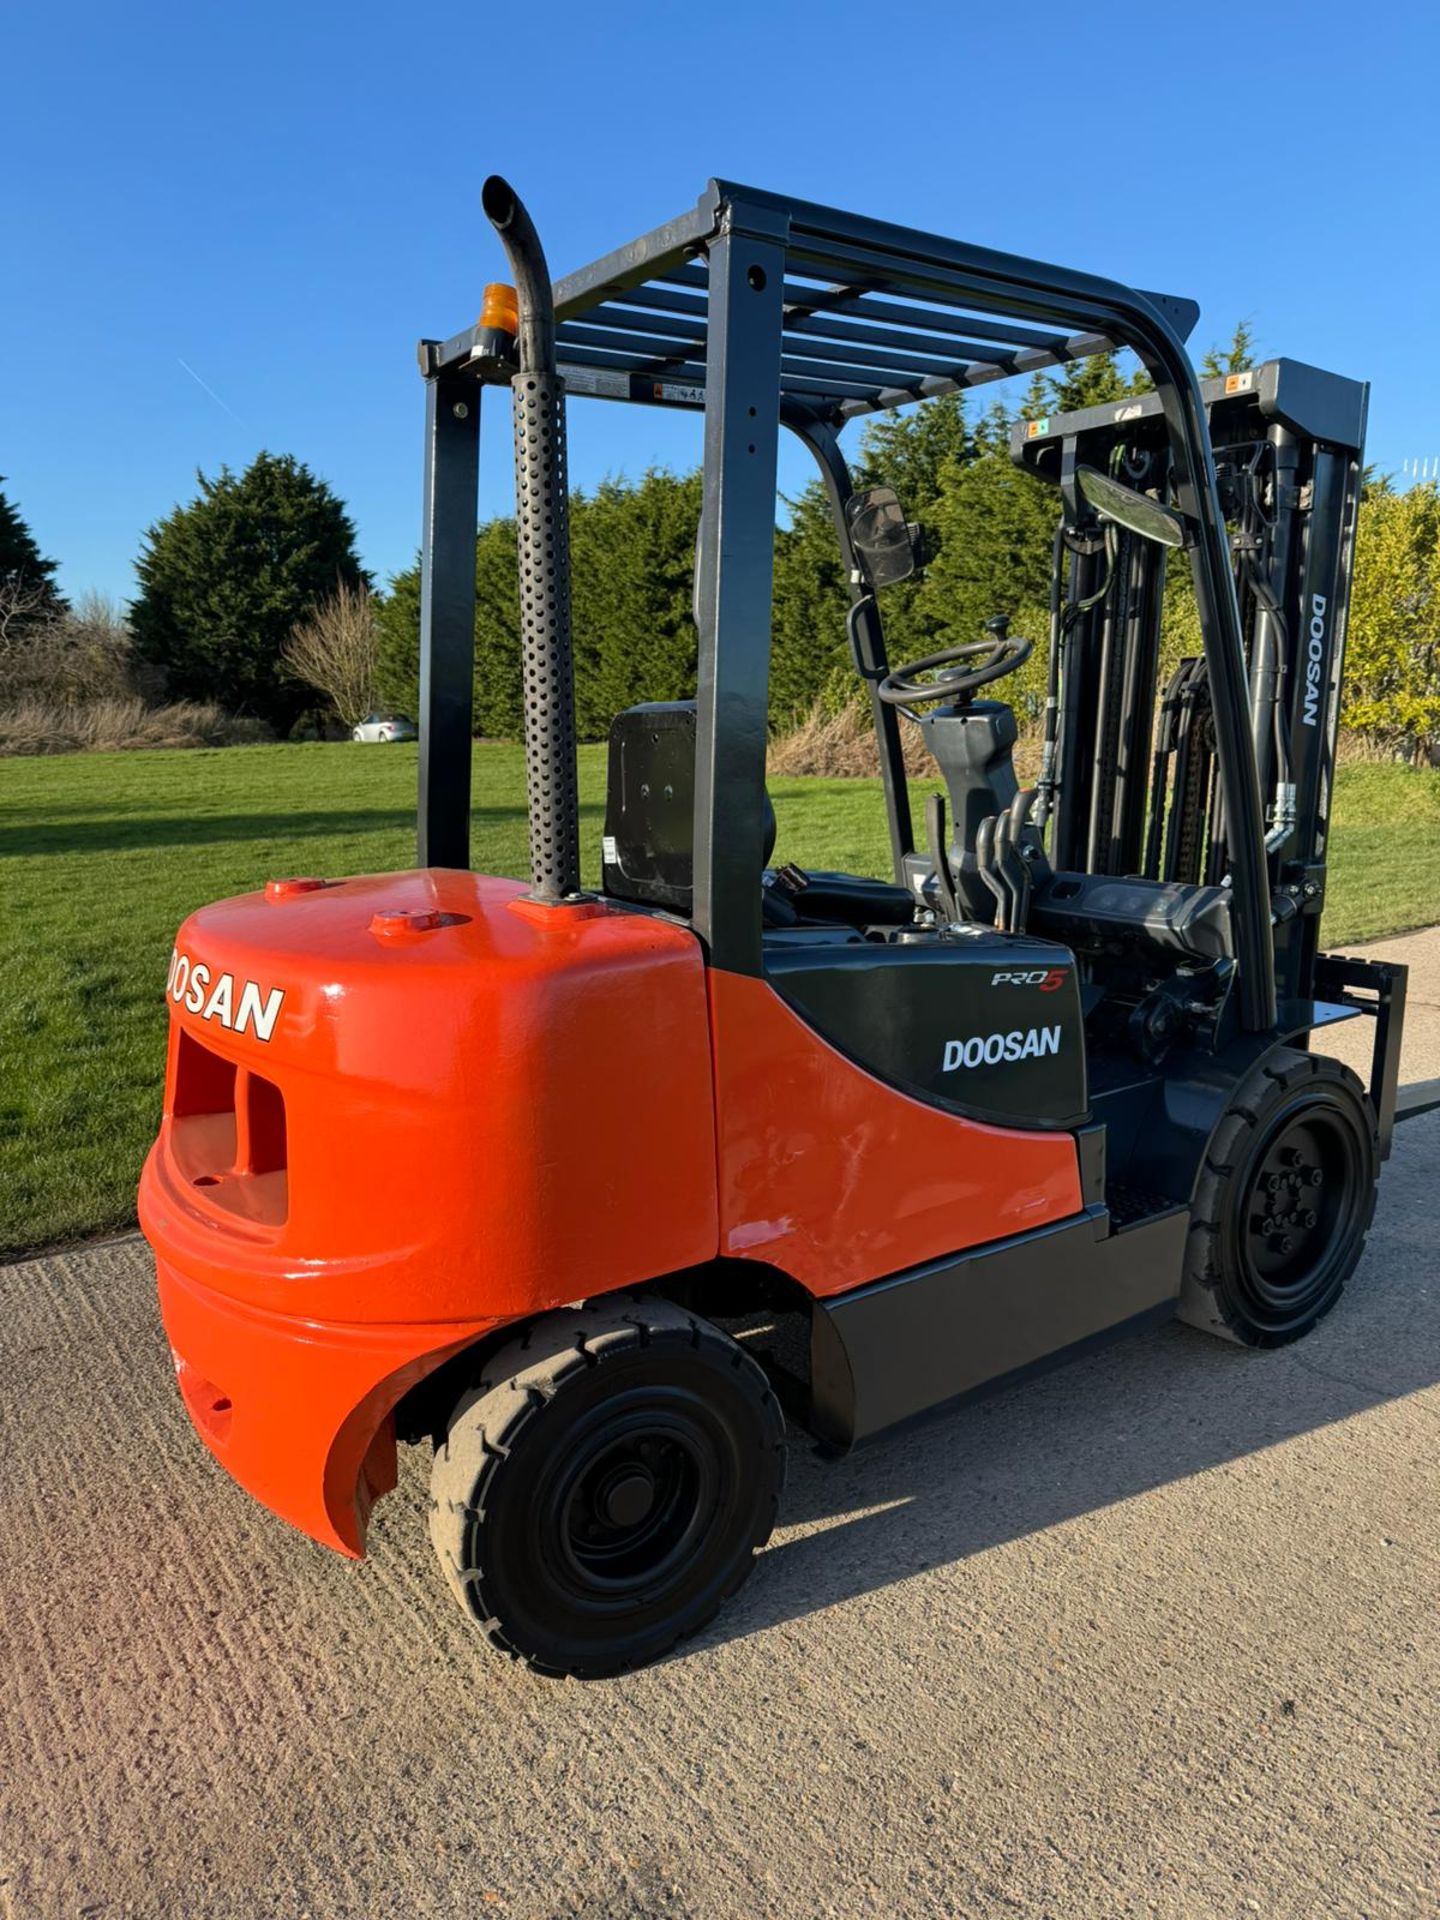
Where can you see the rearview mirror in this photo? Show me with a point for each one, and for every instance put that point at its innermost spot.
(880, 535)
(1137, 511)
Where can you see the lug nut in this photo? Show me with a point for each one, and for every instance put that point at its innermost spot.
(1286, 1243)
(1317, 1178)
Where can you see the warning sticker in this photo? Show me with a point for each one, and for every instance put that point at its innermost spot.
(602, 381)
(609, 851)
(687, 396)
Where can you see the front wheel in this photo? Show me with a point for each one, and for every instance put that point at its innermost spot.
(605, 1486)
(1283, 1203)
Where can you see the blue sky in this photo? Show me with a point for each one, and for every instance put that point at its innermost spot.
(283, 198)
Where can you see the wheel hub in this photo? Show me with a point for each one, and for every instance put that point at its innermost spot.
(627, 1497)
(1289, 1216)
(629, 1512)
(1298, 1194)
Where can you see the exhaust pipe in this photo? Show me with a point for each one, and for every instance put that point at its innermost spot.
(542, 526)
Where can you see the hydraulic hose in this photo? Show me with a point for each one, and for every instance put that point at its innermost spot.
(542, 527)
(1045, 785)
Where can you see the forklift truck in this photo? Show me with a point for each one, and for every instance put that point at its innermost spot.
(456, 1160)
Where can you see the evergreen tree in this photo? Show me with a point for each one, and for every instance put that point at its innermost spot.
(808, 651)
(918, 453)
(912, 451)
(397, 621)
(1038, 401)
(996, 525)
(1094, 381)
(499, 701)
(27, 578)
(632, 553)
(992, 434)
(224, 580)
(499, 669)
(1238, 357)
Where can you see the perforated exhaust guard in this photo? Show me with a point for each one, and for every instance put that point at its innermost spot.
(542, 528)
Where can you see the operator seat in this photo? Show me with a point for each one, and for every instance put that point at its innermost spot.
(648, 852)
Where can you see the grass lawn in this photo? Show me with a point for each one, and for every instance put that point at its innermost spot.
(104, 854)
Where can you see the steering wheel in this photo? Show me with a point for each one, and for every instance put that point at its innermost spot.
(997, 656)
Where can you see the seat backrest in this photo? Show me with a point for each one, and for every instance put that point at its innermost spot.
(648, 852)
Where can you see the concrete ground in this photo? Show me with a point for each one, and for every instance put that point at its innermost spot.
(1156, 1635)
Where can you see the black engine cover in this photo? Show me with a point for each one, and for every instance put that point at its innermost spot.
(989, 1024)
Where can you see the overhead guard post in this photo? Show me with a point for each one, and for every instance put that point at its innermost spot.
(447, 617)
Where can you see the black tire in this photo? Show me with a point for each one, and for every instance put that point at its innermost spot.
(1283, 1203)
(606, 1485)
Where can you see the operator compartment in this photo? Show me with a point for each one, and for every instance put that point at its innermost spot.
(964, 1016)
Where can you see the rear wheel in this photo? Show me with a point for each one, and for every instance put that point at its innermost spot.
(605, 1486)
(1283, 1203)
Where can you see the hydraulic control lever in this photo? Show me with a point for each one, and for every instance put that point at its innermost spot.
(1000, 860)
(944, 879)
(985, 866)
(1013, 872)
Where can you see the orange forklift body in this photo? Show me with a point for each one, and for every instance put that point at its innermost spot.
(1025, 1096)
(403, 1111)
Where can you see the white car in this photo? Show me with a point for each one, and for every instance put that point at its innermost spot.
(382, 728)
